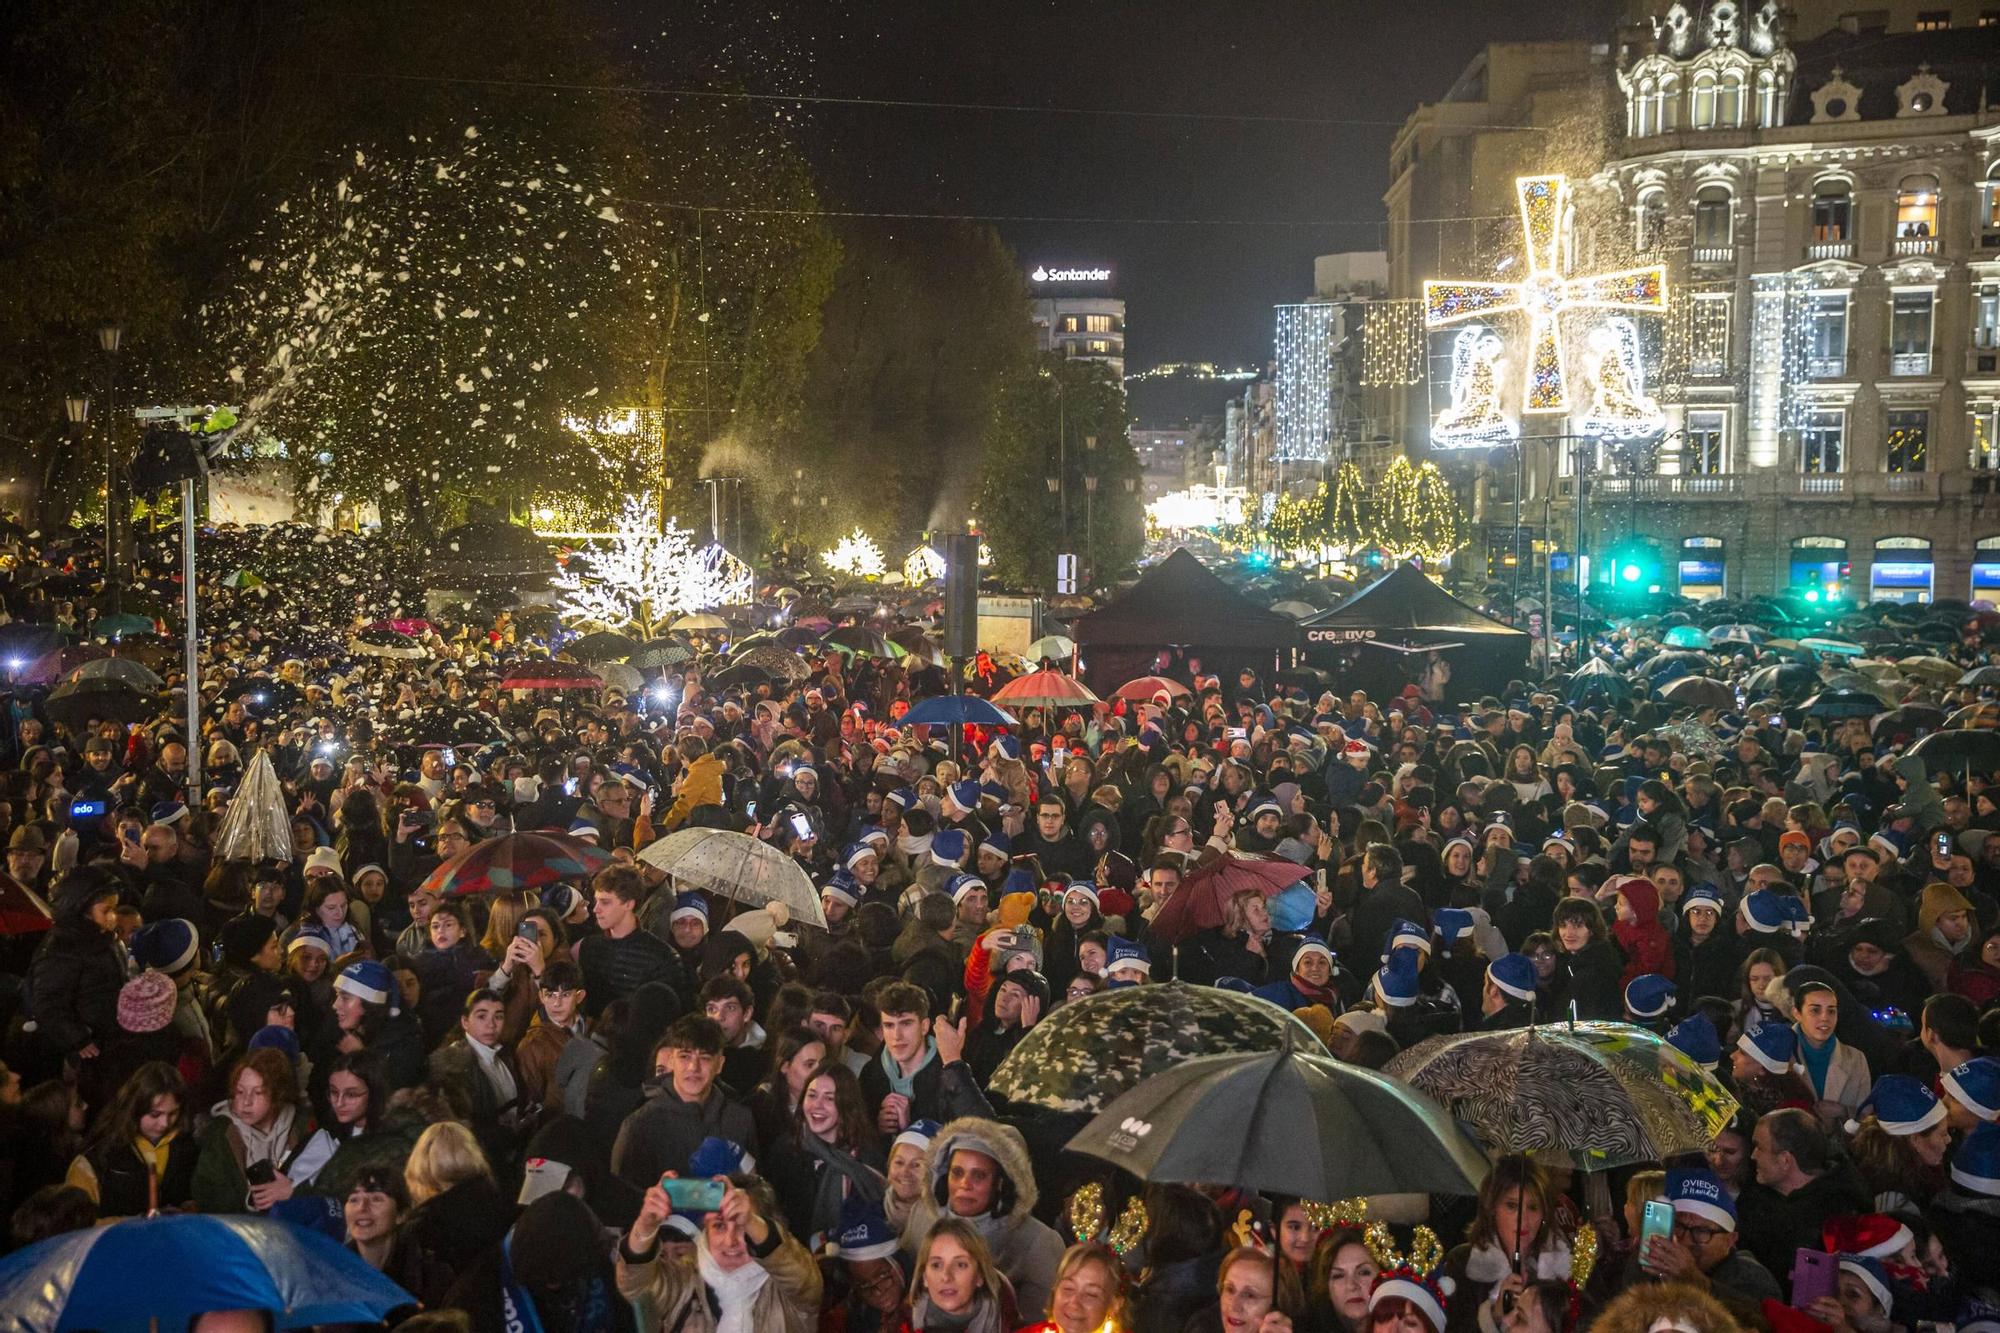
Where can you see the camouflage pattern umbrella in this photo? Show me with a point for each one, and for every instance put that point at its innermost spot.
(1693, 738)
(779, 663)
(1596, 1095)
(1089, 1051)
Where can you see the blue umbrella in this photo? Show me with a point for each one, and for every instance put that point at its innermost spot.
(161, 1272)
(965, 709)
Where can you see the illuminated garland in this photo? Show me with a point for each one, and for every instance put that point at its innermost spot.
(1345, 525)
(1418, 515)
(1392, 343)
(1302, 398)
(1296, 525)
(923, 565)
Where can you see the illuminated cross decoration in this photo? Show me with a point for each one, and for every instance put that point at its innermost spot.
(1545, 293)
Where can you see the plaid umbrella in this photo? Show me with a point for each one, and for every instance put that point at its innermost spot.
(550, 676)
(1597, 1095)
(1200, 901)
(516, 861)
(1089, 1051)
(1045, 689)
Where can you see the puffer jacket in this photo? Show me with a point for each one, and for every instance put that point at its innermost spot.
(74, 980)
(1920, 796)
(701, 785)
(1025, 1249)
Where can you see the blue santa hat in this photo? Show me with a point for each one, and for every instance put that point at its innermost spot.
(1019, 880)
(1701, 1193)
(1310, 944)
(855, 851)
(903, 798)
(1513, 974)
(1649, 996)
(964, 794)
(1975, 1085)
(1872, 1275)
(718, 1156)
(874, 835)
(583, 828)
(1396, 981)
(1902, 1106)
(1976, 1164)
(1406, 935)
(1084, 887)
(1702, 895)
(1696, 1038)
(864, 1233)
(1264, 805)
(842, 885)
(1773, 1046)
(963, 884)
(918, 1133)
(686, 904)
(165, 946)
(169, 812)
(999, 844)
(1451, 924)
(370, 982)
(1769, 913)
(1121, 952)
(1008, 746)
(948, 847)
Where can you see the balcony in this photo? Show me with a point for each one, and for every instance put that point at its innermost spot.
(1830, 250)
(1826, 367)
(1705, 486)
(1708, 368)
(1906, 485)
(1909, 363)
(1821, 485)
(1718, 255)
(1916, 245)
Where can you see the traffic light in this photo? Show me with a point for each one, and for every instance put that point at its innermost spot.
(1634, 567)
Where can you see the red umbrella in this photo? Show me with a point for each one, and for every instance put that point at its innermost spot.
(22, 911)
(551, 676)
(51, 667)
(1045, 689)
(516, 861)
(1143, 689)
(1199, 902)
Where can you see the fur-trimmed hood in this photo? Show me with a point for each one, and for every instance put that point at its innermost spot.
(1024, 1248)
(1003, 1143)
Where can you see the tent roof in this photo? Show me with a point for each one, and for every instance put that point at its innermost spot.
(1180, 600)
(1404, 607)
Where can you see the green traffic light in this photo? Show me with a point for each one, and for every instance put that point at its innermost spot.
(1812, 594)
(1630, 573)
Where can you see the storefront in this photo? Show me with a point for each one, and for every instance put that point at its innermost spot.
(1819, 567)
(1902, 570)
(1986, 570)
(1702, 567)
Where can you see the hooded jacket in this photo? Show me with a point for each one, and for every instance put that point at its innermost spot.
(1644, 941)
(1025, 1249)
(1920, 796)
(74, 980)
(664, 1132)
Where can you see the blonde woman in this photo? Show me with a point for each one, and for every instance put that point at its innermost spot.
(458, 1211)
(955, 1287)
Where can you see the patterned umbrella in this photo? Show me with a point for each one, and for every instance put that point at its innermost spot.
(1089, 1051)
(1693, 738)
(516, 861)
(1045, 689)
(452, 724)
(1598, 1095)
(1203, 896)
(658, 654)
(737, 866)
(550, 676)
(136, 674)
(776, 662)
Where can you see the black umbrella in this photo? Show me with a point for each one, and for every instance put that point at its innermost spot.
(1843, 703)
(1907, 721)
(262, 694)
(1959, 752)
(602, 647)
(658, 654)
(1284, 1122)
(1789, 681)
(1699, 692)
(450, 724)
(77, 703)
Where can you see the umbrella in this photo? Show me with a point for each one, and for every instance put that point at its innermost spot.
(1959, 751)
(22, 910)
(1785, 680)
(1599, 1095)
(776, 662)
(1930, 670)
(618, 676)
(263, 694)
(549, 675)
(1145, 687)
(1686, 660)
(124, 622)
(402, 625)
(243, 578)
(258, 824)
(1685, 636)
(1284, 1122)
(386, 643)
(516, 861)
(1738, 633)
(859, 639)
(1982, 717)
(1692, 738)
(453, 724)
(1294, 608)
(1986, 675)
(1052, 646)
(22, 641)
(1843, 702)
(1598, 676)
(917, 644)
(146, 1274)
(136, 674)
(947, 709)
(1045, 689)
(1089, 1051)
(701, 620)
(602, 647)
(737, 866)
(658, 654)
(1699, 692)
(1907, 721)
(77, 703)
(1833, 647)
(51, 667)
(1198, 902)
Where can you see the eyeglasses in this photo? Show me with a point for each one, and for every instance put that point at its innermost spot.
(1696, 1235)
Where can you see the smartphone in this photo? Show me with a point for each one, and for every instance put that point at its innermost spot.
(1235, 733)
(88, 809)
(692, 1196)
(526, 931)
(130, 834)
(569, 787)
(802, 825)
(1814, 1277)
(751, 811)
(450, 758)
(260, 1173)
(1657, 1219)
(1944, 844)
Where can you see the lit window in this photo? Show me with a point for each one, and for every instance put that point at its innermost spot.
(1704, 101)
(1702, 451)
(1909, 434)
(1916, 207)
(1097, 323)
(1937, 20)
(1832, 213)
(1822, 442)
(1989, 18)
(1986, 317)
(1708, 335)
(1985, 437)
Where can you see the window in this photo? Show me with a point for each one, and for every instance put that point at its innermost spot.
(1712, 221)
(1097, 347)
(1729, 101)
(1910, 333)
(1770, 109)
(1708, 335)
(1986, 317)
(1909, 434)
(1652, 219)
(1989, 18)
(1702, 449)
(1826, 347)
(1916, 207)
(1646, 109)
(1989, 205)
(1069, 324)
(1097, 324)
(1985, 454)
(1822, 444)
(1934, 20)
(1704, 101)
(1832, 212)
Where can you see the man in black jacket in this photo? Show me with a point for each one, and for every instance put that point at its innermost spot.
(1384, 901)
(915, 1077)
(622, 957)
(684, 1105)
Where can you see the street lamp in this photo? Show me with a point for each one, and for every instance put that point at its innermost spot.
(77, 409)
(110, 335)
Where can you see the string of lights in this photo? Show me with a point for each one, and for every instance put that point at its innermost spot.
(1392, 343)
(1302, 399)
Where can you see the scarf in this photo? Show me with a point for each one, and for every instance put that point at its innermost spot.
(734, 1291)
(983, 1317)
(517, 1308)
(1937, 937)
(840, 1171)
(154, 1157)
(898, 1081)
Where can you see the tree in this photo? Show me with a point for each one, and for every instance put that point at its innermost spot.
(1419, 514)
(648, 573)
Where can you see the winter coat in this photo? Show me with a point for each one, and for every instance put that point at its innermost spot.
(220, 1185)
(1707, 968)
(938, 1091)
(118, 1180)
(452, 1230)
(1644, 942)
(1773, 1226)
(75, 977)
(700, 785)
(670, 1293)
(1593, 982)
(664, 1132)
(1024, 1248)
(1920, 796)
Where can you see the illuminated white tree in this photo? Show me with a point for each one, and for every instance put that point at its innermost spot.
(856, 554)
(923, 565)
(646, 574)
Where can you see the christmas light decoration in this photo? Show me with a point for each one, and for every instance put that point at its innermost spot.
(923, 565)
(1619, 408)
(1346, 527)
(855, 554)
(1302, 399)
(1418, 516)
(1545, 295)
(1474, 417)
(645, 574)
(1392, 343)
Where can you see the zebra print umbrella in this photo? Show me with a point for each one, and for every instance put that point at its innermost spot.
(1598, 1095)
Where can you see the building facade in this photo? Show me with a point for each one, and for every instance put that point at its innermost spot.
(1077, 313)
(1828, 214)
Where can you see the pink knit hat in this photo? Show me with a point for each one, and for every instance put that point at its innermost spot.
(146, 1002)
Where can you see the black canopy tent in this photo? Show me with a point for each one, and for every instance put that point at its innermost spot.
(1381, 638)
(1179, 604)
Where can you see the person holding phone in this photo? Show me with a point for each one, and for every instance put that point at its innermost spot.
(1701, 1249)
(745, 1271)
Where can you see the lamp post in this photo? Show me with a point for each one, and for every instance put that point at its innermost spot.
(110, 335)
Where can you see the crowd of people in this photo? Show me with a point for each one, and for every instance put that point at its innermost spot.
(613, 1102)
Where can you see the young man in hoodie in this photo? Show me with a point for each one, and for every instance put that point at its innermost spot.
(684, 1105)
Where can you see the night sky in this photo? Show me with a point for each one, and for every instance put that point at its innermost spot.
(1198, 283)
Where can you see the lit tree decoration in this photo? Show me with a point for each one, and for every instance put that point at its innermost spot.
(923, 565)
(1346, 526)
(1419, 517)
(1297, 526)
(1545, 294)
(855, 554)
(1474, 417)
(644, 574)
(1619, 408)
